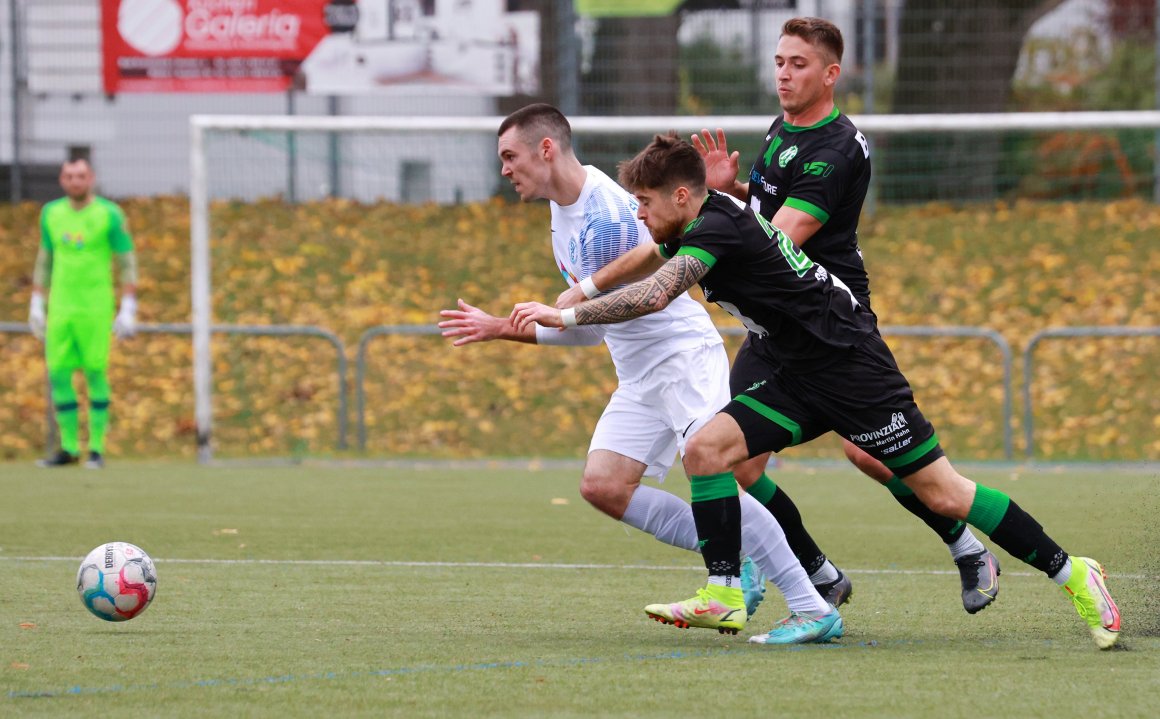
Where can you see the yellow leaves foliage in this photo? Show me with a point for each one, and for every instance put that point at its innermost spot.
(1017, 268)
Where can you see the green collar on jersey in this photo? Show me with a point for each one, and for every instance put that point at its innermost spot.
(828, 119)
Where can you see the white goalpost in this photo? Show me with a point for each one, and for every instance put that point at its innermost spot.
(423, 135)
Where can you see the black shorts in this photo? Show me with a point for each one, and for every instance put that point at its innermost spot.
(863, 397)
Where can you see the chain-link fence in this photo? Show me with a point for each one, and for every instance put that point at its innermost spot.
(597, 57)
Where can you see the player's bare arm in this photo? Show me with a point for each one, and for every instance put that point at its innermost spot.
(721, 167)
(799, 226)
(127, 261)
(638, 299)
(470, 324)
(42, 270)
(636, 264)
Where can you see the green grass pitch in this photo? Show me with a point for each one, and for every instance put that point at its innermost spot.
(495, 591)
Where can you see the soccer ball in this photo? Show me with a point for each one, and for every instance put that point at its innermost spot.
(116, 581)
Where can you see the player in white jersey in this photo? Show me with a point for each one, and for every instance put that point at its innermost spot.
(671, 366)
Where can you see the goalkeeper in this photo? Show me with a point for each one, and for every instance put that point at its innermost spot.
(80, 234)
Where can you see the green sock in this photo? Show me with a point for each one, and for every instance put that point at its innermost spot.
(64, 401)
(987, 509)
(898, 488)
(98, 381)
(1016, 531)
(763, 489)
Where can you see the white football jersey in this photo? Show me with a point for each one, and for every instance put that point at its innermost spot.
(599, 227)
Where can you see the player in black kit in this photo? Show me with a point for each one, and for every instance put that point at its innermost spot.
(825, 368)
(810, 180)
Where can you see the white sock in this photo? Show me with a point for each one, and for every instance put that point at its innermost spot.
(1063, 574)
(966, 544)
(763, 539)
(663, 515)
(826, 574)
(721, 580)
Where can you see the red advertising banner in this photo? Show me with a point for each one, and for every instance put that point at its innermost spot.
(213, 45)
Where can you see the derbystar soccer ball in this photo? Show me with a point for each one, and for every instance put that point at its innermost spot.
(117, 581)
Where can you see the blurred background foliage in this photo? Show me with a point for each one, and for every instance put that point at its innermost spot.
(1017, 268)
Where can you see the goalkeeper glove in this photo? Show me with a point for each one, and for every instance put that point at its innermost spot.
(36, 316)
(125, 325)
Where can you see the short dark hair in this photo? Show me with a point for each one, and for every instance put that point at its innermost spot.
(667, 163)
(820, 33)
(75, 160)
(537, 121)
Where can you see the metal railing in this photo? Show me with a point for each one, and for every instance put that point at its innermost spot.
(342, 411)
(1028, 369)
(920, 331)
(50, 432)
(361, 368)
(976, 332)
(182, 328)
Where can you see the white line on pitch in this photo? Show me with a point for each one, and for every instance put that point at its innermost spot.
(507, 565)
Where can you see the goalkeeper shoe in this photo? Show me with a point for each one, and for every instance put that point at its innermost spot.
(714, 607)
(980, 576)
(752, 585)
(800, 628)
(1090, 596)
(60, 459)
(837, 592)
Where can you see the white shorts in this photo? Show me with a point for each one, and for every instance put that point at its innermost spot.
(651, 419)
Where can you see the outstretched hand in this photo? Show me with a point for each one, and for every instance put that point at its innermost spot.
(721, 167)
(526, 314)
(470, 324)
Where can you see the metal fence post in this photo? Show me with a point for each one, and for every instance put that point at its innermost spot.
(361, 368)
(278, 331)
(1028, 373)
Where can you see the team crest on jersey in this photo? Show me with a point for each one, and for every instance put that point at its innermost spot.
(76, 240)
(784, 158)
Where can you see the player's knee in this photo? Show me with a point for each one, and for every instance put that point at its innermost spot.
(943, 499)
(702, 458)
(605, 492)
(939, 503)
(750, 471)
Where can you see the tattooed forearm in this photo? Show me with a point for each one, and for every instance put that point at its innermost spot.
(651, 294)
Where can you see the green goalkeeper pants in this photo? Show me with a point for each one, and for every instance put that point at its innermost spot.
(79, 341)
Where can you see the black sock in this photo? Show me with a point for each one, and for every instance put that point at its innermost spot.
(947, 529)
(774, 499)
(1021, 536)
(719, 529)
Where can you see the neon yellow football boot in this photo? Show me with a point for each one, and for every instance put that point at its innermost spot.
(1090, 596)
(714, 607)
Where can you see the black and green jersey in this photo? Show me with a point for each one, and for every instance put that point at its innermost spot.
(82, 243)
(824, 171)
(771, 286)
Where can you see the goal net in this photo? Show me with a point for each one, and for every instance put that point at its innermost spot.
(354, 232)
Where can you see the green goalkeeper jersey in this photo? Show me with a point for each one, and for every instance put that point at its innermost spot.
(82, 243)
